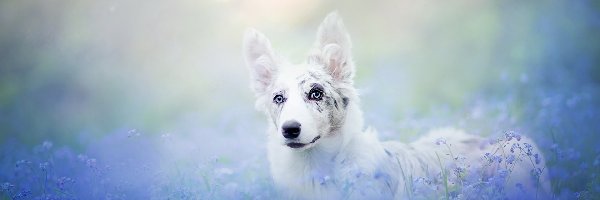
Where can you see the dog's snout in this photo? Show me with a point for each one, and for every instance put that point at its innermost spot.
(290, 129)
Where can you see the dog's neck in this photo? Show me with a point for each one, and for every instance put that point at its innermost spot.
(328, 159)
(334, 142)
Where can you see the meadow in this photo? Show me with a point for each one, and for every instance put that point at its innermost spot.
(150, 100)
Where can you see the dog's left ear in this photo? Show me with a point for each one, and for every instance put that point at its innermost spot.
(260, 59)
(333, 49)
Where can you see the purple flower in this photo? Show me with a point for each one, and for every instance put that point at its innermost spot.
(47, 145)
(488, 157)
(91, 163)
(554, 147)
(44, 166)
(21, 163)
(514, 146)
(6, 187)
(440, 141)
(535, 173)
(528, 148)
(133, 133)
(520, 186)
(82, 157)
(323, 180)
(537, 158)
(497, 159)
(21, 195)
(510, 159)
(62, 182)
(509, 135)
(502, 173)
(459, 170)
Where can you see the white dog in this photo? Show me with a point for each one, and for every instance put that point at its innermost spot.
(319, 149)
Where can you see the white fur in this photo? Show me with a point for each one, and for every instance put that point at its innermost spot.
(320, 170)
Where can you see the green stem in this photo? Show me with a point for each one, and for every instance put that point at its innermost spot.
(444, 175)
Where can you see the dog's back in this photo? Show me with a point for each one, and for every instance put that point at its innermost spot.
(515, 161)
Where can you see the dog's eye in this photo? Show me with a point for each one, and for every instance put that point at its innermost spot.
(315, 95)
(278, 99)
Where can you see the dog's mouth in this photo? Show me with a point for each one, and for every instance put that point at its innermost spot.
(295, 145)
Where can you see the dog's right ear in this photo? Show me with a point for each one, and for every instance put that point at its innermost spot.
(260, 59)
(333, 49)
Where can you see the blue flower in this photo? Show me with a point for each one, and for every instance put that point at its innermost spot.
(62, 182)
(6, 187)
(440, 141)
(509, 135)
(510, 159)
(22, 195)
(44, 166)
(21, 163)
(82, 157)
(47, 145)
(513, 147)
(497, 159)
(528, 148)
(535, 173)
(91, 163)
(323, 180)
(459, 170)
(502, 173)
(520, 186)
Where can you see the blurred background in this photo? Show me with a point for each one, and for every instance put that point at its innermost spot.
(82, 73)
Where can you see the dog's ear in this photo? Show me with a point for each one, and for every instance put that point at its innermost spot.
(260, 59)
(333, 48)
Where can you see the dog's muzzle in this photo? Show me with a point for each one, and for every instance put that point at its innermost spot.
(296, 145)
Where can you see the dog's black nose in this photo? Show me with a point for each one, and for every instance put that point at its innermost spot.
(290, 129)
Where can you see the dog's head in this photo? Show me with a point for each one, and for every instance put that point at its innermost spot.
(306, 101)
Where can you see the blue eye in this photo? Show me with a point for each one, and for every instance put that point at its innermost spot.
(278, 99)
(315, 95)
